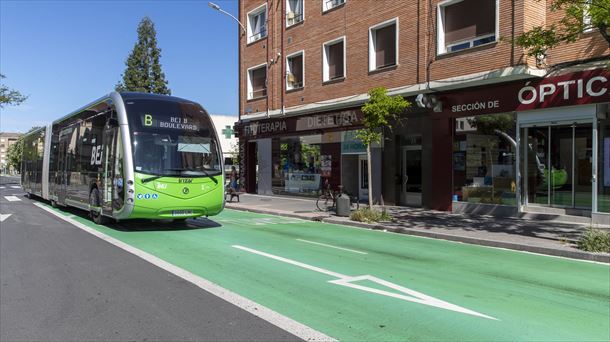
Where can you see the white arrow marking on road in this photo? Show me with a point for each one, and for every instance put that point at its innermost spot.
(15, 187)
(348, 281)
(331, 246)
(4, 217)
(12, 198)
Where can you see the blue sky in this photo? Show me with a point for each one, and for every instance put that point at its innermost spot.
(65, 54)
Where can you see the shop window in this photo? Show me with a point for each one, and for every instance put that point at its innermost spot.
(383, 45)
(327, 5)
(294, 71)
(484, 150)
(463, 24)
(294, 12)
(257, 24)
(333, 64)
(257, 82)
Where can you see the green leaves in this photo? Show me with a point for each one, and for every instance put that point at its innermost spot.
(579, 16)
(378, 111)
(143, 72)
(8, 96)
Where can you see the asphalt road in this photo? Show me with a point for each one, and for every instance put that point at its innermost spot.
(65, 278)
(59, 283)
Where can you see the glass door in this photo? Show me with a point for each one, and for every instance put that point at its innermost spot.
(557, 165)
(412, 175)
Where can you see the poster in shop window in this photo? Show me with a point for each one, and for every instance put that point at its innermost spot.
(325, 167)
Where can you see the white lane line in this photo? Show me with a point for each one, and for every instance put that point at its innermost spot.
(298, 329)
(15, 187)
(12, 198)
(2, 187)
(350, 281)
(4, 217)
(331, 246)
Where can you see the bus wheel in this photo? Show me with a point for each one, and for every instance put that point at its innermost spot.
(94, 201)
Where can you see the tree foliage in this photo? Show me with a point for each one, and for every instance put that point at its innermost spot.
(378, 111)
(580, 16)
(14, 153)
(143, 72)
(9, 96)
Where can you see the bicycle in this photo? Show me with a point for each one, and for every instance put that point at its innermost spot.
(327, 201)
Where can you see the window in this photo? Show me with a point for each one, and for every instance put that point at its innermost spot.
(294, 12)
(383, 45)
(257, 24)
(333, 60)
(257, 82)
(330, 4)
(463, 24)
(294, 71)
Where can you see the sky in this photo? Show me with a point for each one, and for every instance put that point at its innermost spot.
(65, 54)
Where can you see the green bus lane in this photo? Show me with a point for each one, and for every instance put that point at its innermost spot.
(356, 284)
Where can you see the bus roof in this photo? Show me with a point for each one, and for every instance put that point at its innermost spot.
(124, 96)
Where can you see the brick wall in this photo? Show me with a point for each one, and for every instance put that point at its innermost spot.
(417, 47)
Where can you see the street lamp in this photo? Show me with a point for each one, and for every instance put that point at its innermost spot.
(216, 7)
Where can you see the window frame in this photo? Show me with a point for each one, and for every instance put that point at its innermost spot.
(249, 92)
(441, 48)
(302, 14)
(302, 54)
(325, 7)
(254, 12)
(372, 52)
(325, 66)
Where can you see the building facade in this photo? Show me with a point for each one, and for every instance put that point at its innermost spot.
(489, 130)
(7, 140)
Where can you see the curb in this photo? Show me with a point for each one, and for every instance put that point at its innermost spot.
(579, 255)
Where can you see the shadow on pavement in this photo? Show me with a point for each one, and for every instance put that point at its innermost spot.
(425, 219)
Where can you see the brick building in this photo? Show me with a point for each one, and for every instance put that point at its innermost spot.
(489, 129)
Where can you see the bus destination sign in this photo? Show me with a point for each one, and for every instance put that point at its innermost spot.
(170, 122)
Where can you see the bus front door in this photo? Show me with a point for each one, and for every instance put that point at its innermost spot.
(61, 179)
(109, 179)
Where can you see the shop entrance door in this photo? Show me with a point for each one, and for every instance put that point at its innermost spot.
(558, 170)
(411, 175)
(363, 178)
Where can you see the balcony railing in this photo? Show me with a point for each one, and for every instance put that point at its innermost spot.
(262, 33)
(293, 18)
(257, 94)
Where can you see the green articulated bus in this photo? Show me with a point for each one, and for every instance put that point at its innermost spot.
(126, 156)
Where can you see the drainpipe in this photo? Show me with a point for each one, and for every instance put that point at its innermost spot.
(283, 65)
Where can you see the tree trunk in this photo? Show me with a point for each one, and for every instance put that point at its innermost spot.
(370, 175)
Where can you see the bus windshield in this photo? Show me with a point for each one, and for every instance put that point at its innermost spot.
(173, 139)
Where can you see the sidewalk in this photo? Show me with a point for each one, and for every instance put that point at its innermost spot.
(542, 237)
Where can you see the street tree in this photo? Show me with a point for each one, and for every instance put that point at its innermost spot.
(143, 72)
(579, 16)
(9, 97)
(379, 111)
(15, 151)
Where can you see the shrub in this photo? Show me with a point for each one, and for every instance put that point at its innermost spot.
(595, 240)
(369, 215)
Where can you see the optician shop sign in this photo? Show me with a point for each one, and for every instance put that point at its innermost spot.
(583, 87)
